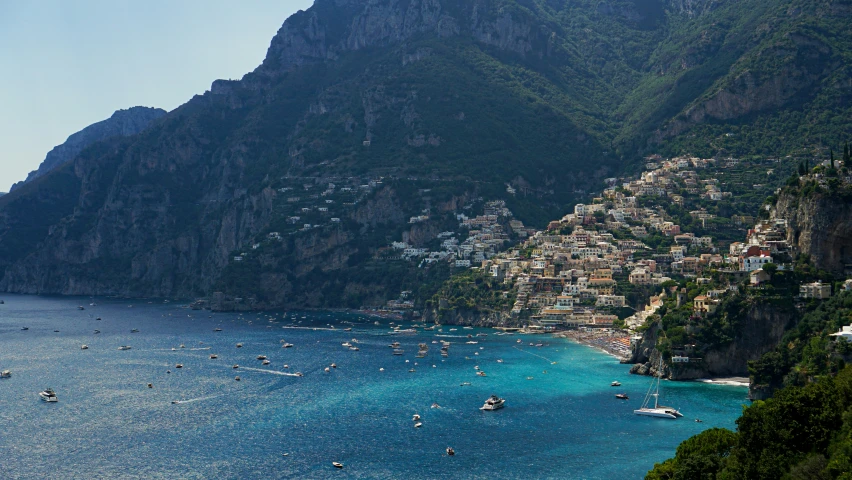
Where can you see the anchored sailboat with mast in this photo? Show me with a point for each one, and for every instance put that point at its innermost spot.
(657, 410)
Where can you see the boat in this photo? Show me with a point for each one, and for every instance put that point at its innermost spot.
(347, 329)
(615, 384)
(333, 365)
(481, 373)
(98, 318)
(418, 425)
(337, 464)
(622, 396)
(435, 405)
(471, 342)
(97, 331)
(261, 357)
(235, 366)
(134, 330)
(213, 356)
(25, 328)
(299, 374)
(416, 417)
(346, 344)
(48, 395)
(464, 384)
(394, 345)
(450, 451)
(659, 411)
(398, 351)
(217, 329)
(179, 365)
(265, 362)
(287, 345)
(354, 349)
(493, 403)
(412, 371)
(239, 345)
(84, 347)
(124, 347)
(5, 374)
(80, 308)
(499, 360)
(327, 370)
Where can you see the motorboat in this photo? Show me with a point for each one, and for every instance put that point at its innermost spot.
(326, 370)
(237, 378)
(25, 328)
(347, 329)
(481, 373)
(261, 357)
(493, 403)
(394, 345)
(217, 329)
(337, 464)
(287, 345)
(412, 370)
(5, 374)
(81, 308)
(97, 331)
(333, 365)
(239, 345)
(134, 330)
(464, 384)
(416, 417)
(182, 346)
(299, 374)
(622, 396)
(615, 384)
(179, 365)
(418, 425)
(124, 347)
(435, 405)
(346, 344)
(265, 362)
(98, 318)
(213, 356)
(235, 366)
(84, 347)
(450, 451)
(471, 342)
(48, 395)
(499, 360)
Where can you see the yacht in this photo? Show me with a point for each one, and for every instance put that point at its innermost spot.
(659, 411)
(418, 425)
(333, 365)
(5, 374)
(493, 403)
(179, 365)
(394, 345)
(124, 347)
(239, 345)
(354, 348)
(287, 345)
(217, 329)
(80, 308)
(48, 395)
(97, 331)
(337, 464)
(346, 344)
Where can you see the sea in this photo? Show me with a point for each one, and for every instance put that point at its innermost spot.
(561, 418)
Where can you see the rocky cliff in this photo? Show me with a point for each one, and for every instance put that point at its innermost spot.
(122, 123)
(819, 225)
(758, 332)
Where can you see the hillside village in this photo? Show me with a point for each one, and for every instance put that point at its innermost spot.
(614, 261)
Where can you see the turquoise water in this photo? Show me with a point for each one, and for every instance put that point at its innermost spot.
(564, 423)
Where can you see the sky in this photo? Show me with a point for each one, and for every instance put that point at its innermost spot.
(68, 64)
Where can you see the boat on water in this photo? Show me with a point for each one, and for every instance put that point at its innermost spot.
(124, 347)
(287, 345)
(5, 374)
(261, 357)
(333, 365)
(481, 373)
(337, 464)
(622, 396)
(493, 403)
(471, 342)
(134, 330)
(398, 351)
(348, 329)
(346, 344)
(81, 308)
(615, 384)
(213, 356)
(84, 347)
(265, 362)
(657, 410)
(418, 425)
(217, 329)
(450, 451)
(48, 395)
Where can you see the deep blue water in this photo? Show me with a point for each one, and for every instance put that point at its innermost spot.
(564, 423)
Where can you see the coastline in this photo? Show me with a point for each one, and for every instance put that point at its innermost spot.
(727, 381)
(606, 341)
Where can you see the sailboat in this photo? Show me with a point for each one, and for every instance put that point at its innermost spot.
(657, 410)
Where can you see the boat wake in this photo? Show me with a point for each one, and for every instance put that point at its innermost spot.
(191, 400)
(534, 354)
(451, 336)
(272, 372)
(199, 348)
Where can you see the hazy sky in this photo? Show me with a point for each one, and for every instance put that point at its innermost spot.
(68, 64)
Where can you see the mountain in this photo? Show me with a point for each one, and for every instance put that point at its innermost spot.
(122, 123)
(284, 187)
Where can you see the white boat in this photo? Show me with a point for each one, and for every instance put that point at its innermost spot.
(287, 345)
(615, 384)
(493, 403)
(124, 347)
(5, 374)
(659, 411)
(84, 347)
(48, 395)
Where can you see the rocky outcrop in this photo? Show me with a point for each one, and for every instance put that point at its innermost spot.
(122, 123)
(758, 331)
(819, 225)
(474, 318)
